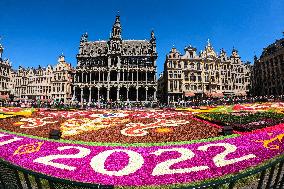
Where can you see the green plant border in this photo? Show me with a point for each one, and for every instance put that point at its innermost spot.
(125, 144)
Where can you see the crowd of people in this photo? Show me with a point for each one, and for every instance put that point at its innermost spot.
(122, 104)
(226, 101)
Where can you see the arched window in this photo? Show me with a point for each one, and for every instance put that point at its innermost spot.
(198, 66)
(170, 64)
(206, 66)
(185, 64)
(192, 77)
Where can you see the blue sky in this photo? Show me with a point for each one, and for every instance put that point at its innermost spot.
(37, 32)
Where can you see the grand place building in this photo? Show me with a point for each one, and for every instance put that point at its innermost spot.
(268, 70)
(192, 75)
(46, 84)
(123, 70)
(5, 71)
(50, 83)
(115, 69)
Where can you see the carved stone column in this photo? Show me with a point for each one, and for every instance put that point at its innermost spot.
(155, 95)
(117, 94)
(99, 76)
(108, 94)
(81, 96)
(98, 94)
(90, 95)
(127, 98)
(118, 76)
(146, 76)
(82, 76)
(90, 78)
(74, 91)
(137, 75)
(146, 94)
(137, 94)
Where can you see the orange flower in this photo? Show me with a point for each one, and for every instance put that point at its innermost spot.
(164, 130)
(28, 148)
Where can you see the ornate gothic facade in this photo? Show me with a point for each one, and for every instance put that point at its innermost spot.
(116, 69)
(268, 70)
(206, 74)
(5, 70)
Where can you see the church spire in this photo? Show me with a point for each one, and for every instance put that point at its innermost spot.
(1, 49)
(84, 38)
(116, 28)
(208, 43)
(153, 42)
(153, 38)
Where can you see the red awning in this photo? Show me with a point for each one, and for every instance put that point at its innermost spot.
(4, 97)
(241, 94)
(189, 94)
(208, 94)
(215, 95)
(218, 95)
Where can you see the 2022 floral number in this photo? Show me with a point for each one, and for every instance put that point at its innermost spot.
(136, 160)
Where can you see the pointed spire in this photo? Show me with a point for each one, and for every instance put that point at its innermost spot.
(1, 48)
(235, 52)
(61, 58)
(117, 21)
(153, 38)
(153, 35)
(84, 37)
(116, 28)
(208, 43)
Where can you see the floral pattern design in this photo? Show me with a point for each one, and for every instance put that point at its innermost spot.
(141, 164)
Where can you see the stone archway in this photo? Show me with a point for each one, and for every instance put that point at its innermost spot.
(94, 94)
(141, 94)
(113, 93)
(78, 94)
(103, 94)
(86, 94)
(123, 93)
(132, 93)
(113, 75)
(151, 94)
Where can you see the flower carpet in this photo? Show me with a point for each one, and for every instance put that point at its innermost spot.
(138, 147)
(245, 121)
(138, 126)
